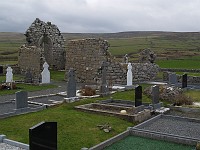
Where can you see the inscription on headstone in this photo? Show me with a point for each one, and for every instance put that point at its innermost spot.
(43, 136)
(21, 100)
(184, 81)
(138, 96)
(129, 75)
(155, 94)
(71, 85)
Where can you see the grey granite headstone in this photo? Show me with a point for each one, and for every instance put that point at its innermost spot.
(43, 136)
(184, 81)
(155, 94)
(172, 78)
(71, 85)
(138, 96)
(104, 90)
(21, 100)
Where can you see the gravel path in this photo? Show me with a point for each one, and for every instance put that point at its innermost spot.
(177, 127)
(4, 146)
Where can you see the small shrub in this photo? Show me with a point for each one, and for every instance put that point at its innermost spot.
(182, 99)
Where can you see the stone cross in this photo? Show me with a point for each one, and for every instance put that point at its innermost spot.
(45, 73)
(9, 75)
(71, 85)
(129, 75)
(104, 87)
(138, 96)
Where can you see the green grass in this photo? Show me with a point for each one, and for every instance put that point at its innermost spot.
(140, 143)
(184, 63)
(76, 129)
(57, 75)
(194, 94)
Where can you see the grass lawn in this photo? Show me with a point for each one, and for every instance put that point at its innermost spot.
(76, 129)
(140, 143)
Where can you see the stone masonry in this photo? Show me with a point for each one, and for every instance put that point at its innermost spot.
(86, 57)
(48, 38)
(30, 58)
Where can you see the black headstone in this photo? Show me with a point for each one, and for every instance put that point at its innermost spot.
(138, 96)
(155, 94)
(43, 136)
(184, 81)
(1, 69)
(28, 77)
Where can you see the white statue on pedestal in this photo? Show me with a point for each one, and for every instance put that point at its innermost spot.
(129, 75)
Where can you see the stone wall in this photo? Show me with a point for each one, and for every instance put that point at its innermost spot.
(47, 36)
(30, 58)
(86, 57)
(190, 79)
(144, 71)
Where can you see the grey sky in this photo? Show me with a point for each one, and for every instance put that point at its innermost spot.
(102, 15)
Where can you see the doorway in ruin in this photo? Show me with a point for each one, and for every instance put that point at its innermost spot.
(45, 43)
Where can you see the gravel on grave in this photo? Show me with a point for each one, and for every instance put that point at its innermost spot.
(9, 107)
(176, 127)
(4, 146)
(48, 99)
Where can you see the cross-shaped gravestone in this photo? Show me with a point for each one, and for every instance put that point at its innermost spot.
(9, 75)
(138, 96)
(71, 85)
(104, 90)
(45, 73)
(28, 77)
(129, 75)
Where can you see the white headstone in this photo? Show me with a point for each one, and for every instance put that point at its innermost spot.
(129, 75)
(9, 75)
(45, 73)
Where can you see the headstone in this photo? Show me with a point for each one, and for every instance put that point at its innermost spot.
(9, 75)
(21, 100)
(138, 96)
(126, 58)
(28, 77)
(155, 94)
(45, 73)
(184, 81)
(1, 69)
(43, 136)
(172, 78)
(129, 75)
(104, 90)
(71, 85)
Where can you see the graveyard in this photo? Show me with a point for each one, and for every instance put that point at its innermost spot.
(85, 94)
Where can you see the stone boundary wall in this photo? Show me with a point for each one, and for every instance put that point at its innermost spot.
(144, 71)
(180, 70)
(190, 79)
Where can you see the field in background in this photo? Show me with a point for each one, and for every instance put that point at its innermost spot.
(173, 49)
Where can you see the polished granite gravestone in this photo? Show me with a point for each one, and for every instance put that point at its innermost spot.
(138, 96)
(43, 136)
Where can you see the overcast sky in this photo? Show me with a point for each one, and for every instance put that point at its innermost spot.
(102, 15)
